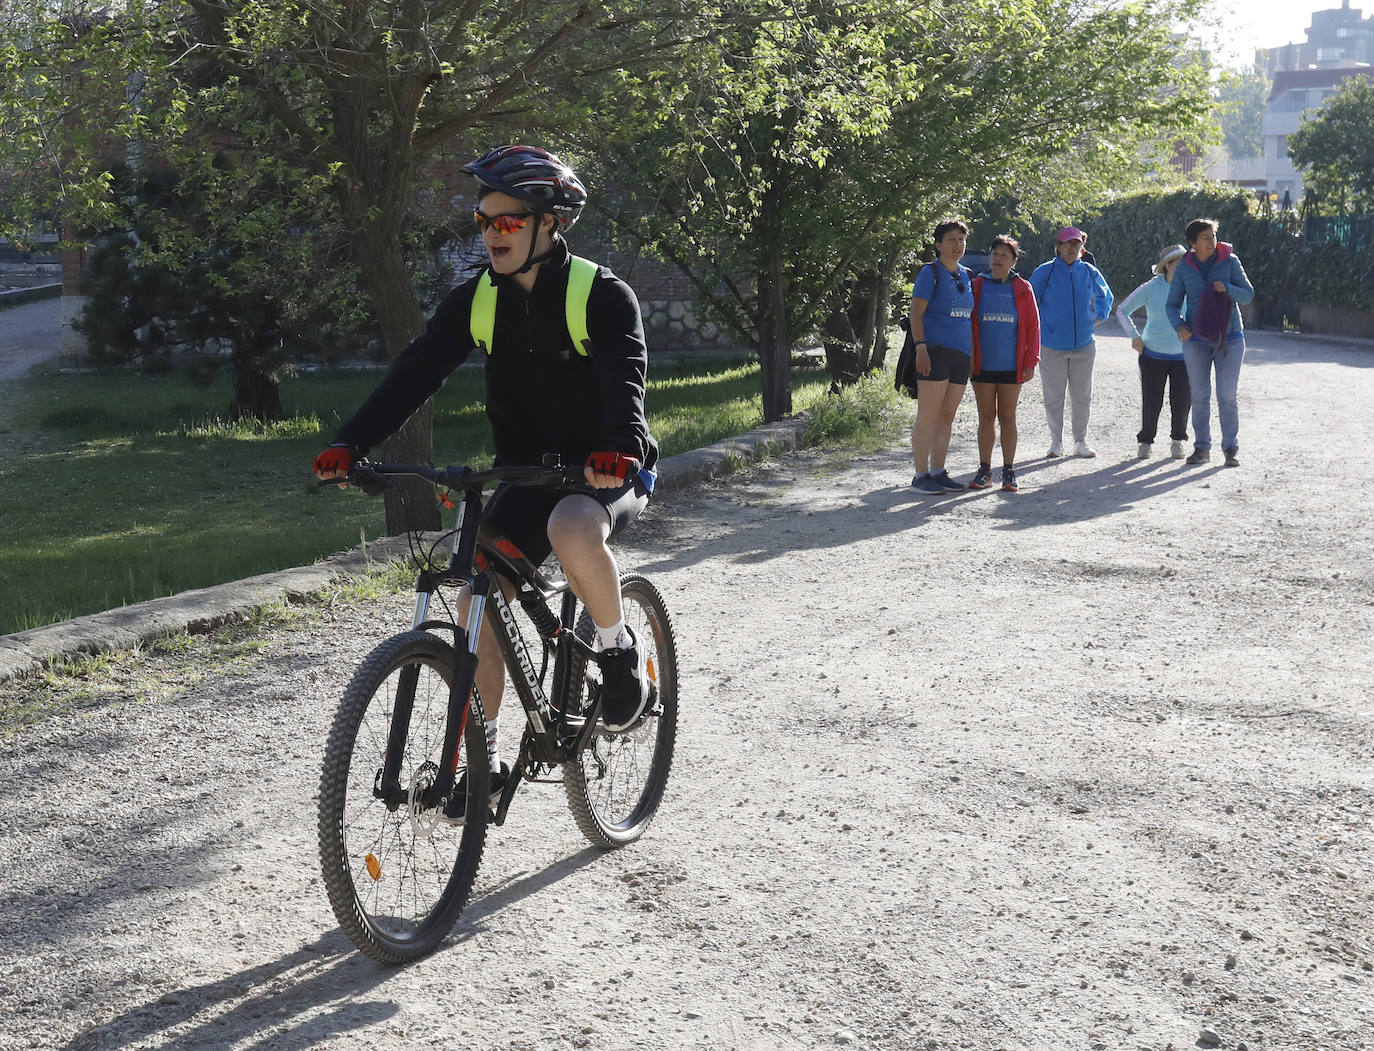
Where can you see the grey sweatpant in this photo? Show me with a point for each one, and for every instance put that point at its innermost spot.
(1071, 370)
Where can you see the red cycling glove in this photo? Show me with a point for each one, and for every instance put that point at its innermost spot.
(620, 465)
(338, 457)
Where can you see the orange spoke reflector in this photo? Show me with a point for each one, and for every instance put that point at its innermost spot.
(649, 667)
(374, 867)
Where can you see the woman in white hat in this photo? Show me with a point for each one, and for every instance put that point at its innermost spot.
(1161, 357)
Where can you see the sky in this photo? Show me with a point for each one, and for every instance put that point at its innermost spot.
(1250, 24)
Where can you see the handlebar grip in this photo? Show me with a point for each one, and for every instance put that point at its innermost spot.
(368, 480)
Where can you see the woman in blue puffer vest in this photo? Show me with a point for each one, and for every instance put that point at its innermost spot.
(1204, 303)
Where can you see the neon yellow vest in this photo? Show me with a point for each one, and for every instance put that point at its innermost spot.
(581, 274)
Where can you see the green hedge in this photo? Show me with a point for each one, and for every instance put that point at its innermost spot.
(1127, 234)
(1337, 276)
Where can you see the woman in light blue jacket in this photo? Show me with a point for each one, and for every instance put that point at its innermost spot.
(1073, 297)
(1161, 357)
(1213, 284)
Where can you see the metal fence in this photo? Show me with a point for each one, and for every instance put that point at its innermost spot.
(1354, 232)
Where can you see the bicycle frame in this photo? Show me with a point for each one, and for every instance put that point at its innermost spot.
(555, 737)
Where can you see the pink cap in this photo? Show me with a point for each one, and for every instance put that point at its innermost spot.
(1070, 233)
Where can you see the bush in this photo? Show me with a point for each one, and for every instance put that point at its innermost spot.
(861, 413)
(1333, 275)
(1127, 234)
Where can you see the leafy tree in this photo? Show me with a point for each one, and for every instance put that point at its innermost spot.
(1239, 109)
(360, 93)
(222, 256)
(228, 247)
(1337, 146)
(799, 166)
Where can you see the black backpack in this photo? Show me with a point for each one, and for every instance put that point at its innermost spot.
(904, 375)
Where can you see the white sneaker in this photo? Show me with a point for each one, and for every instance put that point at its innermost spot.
(1081, 449)
(1142, 451)
(1176, 451)
(1056, 449)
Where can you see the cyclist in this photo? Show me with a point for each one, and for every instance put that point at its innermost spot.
(543, 395)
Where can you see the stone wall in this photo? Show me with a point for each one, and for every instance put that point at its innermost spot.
(1336, 321)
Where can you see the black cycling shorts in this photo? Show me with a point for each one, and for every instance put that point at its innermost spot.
(996, 376)
(946, 363)
(521, 512)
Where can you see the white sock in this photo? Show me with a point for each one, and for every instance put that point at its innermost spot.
(493, 753)
(614, 637)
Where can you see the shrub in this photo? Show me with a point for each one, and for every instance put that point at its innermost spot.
(1127, 234)
(861, 413)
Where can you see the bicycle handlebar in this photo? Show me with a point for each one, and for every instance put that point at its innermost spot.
(372, 477)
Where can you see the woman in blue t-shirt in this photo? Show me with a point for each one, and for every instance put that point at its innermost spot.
(1006, 349)
(941, 327)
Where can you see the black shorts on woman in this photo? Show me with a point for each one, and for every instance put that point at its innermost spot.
(946, 363)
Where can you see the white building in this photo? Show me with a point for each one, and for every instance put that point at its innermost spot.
(1340, 44)
(1295, 96)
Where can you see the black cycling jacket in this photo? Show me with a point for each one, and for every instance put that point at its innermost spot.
(542, 396)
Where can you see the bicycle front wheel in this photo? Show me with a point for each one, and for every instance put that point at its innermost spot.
(615, 786)
(398, 872)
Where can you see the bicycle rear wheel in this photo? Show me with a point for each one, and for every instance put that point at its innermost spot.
(615, 786)
(398, 873)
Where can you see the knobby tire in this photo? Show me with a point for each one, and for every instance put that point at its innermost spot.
(398, 876)
(614, 788)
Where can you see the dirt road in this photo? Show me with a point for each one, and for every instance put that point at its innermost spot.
(1087, 766)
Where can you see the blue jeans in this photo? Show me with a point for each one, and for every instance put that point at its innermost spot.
(1201, 360)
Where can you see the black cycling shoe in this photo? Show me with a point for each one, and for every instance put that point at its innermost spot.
(624, 685)
(455, 810)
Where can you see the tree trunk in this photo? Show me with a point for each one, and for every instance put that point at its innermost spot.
(841, 345)
(850, 329)
(257, 394)
(775, 342)
(882, 314)
(871, 292)
(412, 506)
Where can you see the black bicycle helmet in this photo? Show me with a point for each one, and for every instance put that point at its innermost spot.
(534, 177)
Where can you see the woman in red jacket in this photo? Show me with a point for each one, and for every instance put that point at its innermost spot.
(1006, 349)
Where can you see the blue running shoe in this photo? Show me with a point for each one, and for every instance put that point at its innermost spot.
(924, 483)
(946, 483)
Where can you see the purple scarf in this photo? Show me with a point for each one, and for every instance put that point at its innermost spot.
(1213, 316)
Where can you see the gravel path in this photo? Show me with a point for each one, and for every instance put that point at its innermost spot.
(30, 333)
(1086, 766)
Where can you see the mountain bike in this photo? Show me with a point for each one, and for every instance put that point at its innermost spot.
(405, 797)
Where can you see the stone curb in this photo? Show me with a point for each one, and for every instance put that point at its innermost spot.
(27, 652)
(14, 297)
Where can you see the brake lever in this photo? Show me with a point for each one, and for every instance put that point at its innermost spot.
(368, 480)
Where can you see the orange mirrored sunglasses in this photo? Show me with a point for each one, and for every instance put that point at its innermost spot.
(510, 223)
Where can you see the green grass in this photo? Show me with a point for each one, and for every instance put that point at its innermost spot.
(121, 486)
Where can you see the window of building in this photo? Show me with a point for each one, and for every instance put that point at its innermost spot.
(1280, 146)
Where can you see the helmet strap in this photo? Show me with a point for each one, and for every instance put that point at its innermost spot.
(532, 260)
